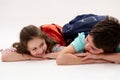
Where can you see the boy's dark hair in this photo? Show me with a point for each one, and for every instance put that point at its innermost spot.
(106, 34)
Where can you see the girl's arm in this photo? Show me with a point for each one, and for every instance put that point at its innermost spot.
(14, 56)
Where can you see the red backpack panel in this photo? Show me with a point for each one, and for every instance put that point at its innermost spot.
(55, 32)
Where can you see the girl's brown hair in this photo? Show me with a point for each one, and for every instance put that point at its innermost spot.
(28, 33)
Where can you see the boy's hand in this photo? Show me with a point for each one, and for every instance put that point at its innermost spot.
(87, 56)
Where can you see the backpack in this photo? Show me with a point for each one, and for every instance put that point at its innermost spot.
(81, 23)
(55, 32)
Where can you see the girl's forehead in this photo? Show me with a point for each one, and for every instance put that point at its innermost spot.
(35, 41)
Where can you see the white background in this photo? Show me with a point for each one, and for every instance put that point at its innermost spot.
(15, 14)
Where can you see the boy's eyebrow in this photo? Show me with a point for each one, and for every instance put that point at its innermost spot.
(91, 42)
(94, 46)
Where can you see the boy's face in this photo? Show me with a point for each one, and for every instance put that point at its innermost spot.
(37, 47)
(90, 47)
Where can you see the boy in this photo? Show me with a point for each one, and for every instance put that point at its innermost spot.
(104, 38)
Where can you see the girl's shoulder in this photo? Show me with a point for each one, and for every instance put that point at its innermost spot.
(57, 48)
(8, 50)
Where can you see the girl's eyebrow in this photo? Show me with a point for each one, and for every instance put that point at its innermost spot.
(32, 48)
(41, 44)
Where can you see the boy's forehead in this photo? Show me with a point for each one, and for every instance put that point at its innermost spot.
(90, 40)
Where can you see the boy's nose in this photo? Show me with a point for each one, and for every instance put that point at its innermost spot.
(87, 47)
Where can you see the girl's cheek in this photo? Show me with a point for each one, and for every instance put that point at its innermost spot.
(33, 53)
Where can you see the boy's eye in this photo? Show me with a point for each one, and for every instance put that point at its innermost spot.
(94, 49)
(87, 39)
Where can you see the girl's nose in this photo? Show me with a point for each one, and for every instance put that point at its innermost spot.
(39, 51)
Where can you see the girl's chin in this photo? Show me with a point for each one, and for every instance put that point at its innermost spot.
(40, 55)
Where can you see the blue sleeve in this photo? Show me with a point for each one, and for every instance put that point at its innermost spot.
(79, 43)
(57, 48)
(118, 49)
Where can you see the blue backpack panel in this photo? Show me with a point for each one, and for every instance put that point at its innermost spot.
(81, 23)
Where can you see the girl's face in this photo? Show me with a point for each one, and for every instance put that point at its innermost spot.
(90, 47)
(37, 47)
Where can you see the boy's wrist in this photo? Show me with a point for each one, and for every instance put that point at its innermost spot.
(101, 56)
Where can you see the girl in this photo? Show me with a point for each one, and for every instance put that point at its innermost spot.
(34, 44)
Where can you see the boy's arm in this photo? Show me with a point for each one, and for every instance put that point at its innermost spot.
(113, 57)
(14, 56)
(70, 59)
(67, 57)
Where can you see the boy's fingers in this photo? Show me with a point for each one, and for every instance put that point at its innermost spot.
(81, 54)
(85, 58)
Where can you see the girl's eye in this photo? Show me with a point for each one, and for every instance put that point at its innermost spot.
(41, 44)
(34, 49)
